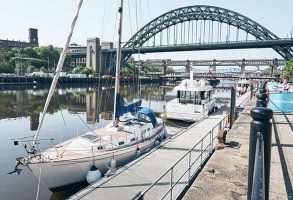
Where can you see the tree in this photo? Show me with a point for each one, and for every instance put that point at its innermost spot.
(30, 52)
(6, 67)
(170, 70)
(289, 69)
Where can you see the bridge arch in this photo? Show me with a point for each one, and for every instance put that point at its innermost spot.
(204, 12)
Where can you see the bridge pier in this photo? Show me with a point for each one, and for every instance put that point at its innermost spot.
(213, 68)
(242, 66)
(274, 66)
(164, 67)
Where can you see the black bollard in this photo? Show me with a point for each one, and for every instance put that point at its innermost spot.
(260, 125)
(262, 96)
(232, 107)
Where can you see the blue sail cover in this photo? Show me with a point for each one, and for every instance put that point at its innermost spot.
(150, 114)
(122, 109)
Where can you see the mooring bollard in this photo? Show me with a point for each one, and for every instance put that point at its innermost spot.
(232, 107)
(260, 125)
(262, 96)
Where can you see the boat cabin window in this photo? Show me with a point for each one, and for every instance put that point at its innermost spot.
(242, 85)
(90, 137)
(120, 143)
(132, 139)
(193, 97)
(100, 148)
(143, 118)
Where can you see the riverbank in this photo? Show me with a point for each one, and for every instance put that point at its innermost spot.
(226, 173)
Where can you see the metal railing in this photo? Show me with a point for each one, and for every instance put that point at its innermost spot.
(244, 102)
(260, 149)
(258, 186)
(191, 163)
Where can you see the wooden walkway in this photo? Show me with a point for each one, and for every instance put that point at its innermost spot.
(137, 176)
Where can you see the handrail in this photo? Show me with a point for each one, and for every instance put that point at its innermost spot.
(208, 148)
(244, 102)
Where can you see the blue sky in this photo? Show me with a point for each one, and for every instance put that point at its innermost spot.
(97, 19)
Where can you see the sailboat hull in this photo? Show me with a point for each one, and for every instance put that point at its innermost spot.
(66, 172)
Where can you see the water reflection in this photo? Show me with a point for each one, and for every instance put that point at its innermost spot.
(73, 111)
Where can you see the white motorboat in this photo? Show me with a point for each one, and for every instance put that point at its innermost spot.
(243, 86)
(193, 102)
(134, 129)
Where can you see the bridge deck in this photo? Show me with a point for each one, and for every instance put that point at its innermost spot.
(140, 174)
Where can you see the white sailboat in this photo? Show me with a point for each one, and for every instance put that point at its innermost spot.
(193, 102)
(133, 130)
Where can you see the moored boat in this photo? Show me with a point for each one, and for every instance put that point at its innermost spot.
(194, 101)
(134, 130)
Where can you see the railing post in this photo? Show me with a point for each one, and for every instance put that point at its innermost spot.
(211, 140)
(171, 183)
(189, 166)
(201, 147)
(260, 124)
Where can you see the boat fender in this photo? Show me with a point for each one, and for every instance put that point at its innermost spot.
(157, 142)
(159, 138)
(93, 175)
(138, 152)
(113, 164)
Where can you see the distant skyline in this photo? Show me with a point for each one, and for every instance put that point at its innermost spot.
(98, 18)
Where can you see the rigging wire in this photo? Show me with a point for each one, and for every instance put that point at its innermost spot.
(129, 17)
(107, 19)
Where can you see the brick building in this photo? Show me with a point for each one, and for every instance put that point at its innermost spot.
(7, 45)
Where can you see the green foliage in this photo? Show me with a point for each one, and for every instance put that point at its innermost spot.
(38, 63)
(47, 56)
(170, 70)
(87, 71)
(289, 69)
(31, 53)
(6, 67)
(43, 69)
(82, 70)
(153, 69)
(77, 70)
(129, 68)
(31, 69)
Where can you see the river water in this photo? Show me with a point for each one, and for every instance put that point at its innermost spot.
(73, 111)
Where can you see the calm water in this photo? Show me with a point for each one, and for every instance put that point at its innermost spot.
(73, 111)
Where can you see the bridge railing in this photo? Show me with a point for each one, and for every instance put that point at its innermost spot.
(179, 176)
(220, 42)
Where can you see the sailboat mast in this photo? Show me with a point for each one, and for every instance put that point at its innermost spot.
(118, 59)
